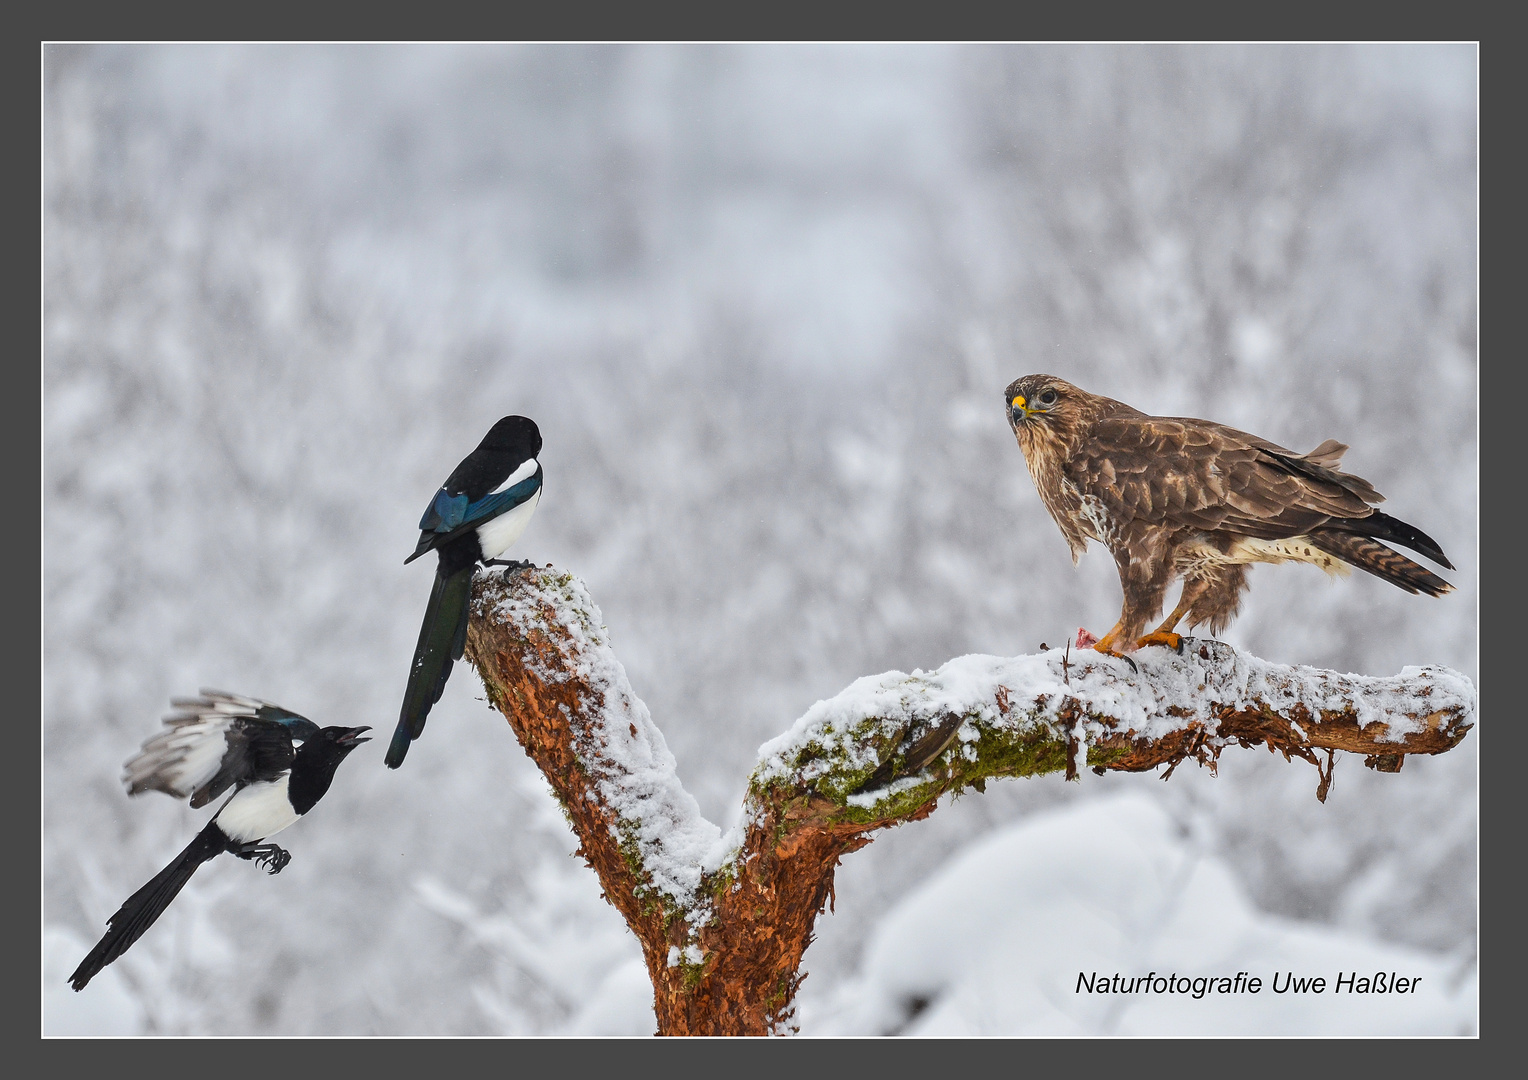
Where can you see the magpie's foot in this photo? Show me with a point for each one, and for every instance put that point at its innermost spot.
(268, 857)
(510, 564)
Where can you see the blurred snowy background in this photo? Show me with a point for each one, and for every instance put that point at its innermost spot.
(762, 302)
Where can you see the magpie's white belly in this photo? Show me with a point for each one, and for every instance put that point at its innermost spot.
(259, 810)
(495, 536)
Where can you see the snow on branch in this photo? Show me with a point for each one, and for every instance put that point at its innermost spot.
(725, 919)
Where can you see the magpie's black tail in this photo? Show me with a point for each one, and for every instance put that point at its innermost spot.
(139, 911)
(441, 641)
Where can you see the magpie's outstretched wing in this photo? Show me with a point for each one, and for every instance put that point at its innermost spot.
(452, 516)
(216, 741)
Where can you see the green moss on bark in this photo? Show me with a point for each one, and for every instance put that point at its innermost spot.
(1011, 748)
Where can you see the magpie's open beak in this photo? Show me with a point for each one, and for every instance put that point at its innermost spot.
(352, 737)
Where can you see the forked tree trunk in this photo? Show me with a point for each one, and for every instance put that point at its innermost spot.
(724, 920)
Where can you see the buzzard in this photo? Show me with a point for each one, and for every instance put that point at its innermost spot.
(1174, 497)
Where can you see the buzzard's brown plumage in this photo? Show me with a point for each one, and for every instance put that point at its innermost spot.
(1174, 497)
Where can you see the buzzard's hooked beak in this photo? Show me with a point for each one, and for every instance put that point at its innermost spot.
(1019, 409)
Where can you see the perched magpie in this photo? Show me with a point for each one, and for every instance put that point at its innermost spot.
(479, 511)
(279, 765)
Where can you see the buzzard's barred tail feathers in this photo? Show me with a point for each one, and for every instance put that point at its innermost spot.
(1392, 530)
(1383, 562)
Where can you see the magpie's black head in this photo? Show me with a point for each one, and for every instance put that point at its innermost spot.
(313, 770)
(517, 435)
(335, 743)
(347, 737)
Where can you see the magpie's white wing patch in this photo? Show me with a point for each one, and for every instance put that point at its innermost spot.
(190, 750)
(526, 470)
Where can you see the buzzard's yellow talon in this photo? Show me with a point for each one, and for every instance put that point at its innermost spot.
(1162, 637)
(1104, 644)
(1102, 647)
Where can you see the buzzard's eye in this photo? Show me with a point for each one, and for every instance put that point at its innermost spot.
(1048, 397)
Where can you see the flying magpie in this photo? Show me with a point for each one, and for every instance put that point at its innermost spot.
(279, 765)
(479, 511)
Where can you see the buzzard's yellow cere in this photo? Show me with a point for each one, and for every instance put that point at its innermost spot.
(1174, 497)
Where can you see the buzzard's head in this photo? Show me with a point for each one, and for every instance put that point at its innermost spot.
(1041, 406)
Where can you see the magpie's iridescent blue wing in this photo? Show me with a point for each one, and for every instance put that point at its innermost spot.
(500, 502)
(446, 512)
(485, 509)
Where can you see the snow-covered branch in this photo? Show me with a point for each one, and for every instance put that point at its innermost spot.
(724, 919)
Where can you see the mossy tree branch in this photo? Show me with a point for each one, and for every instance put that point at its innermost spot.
(724, 920)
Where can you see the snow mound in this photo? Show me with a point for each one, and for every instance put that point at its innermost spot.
(1003, 940)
